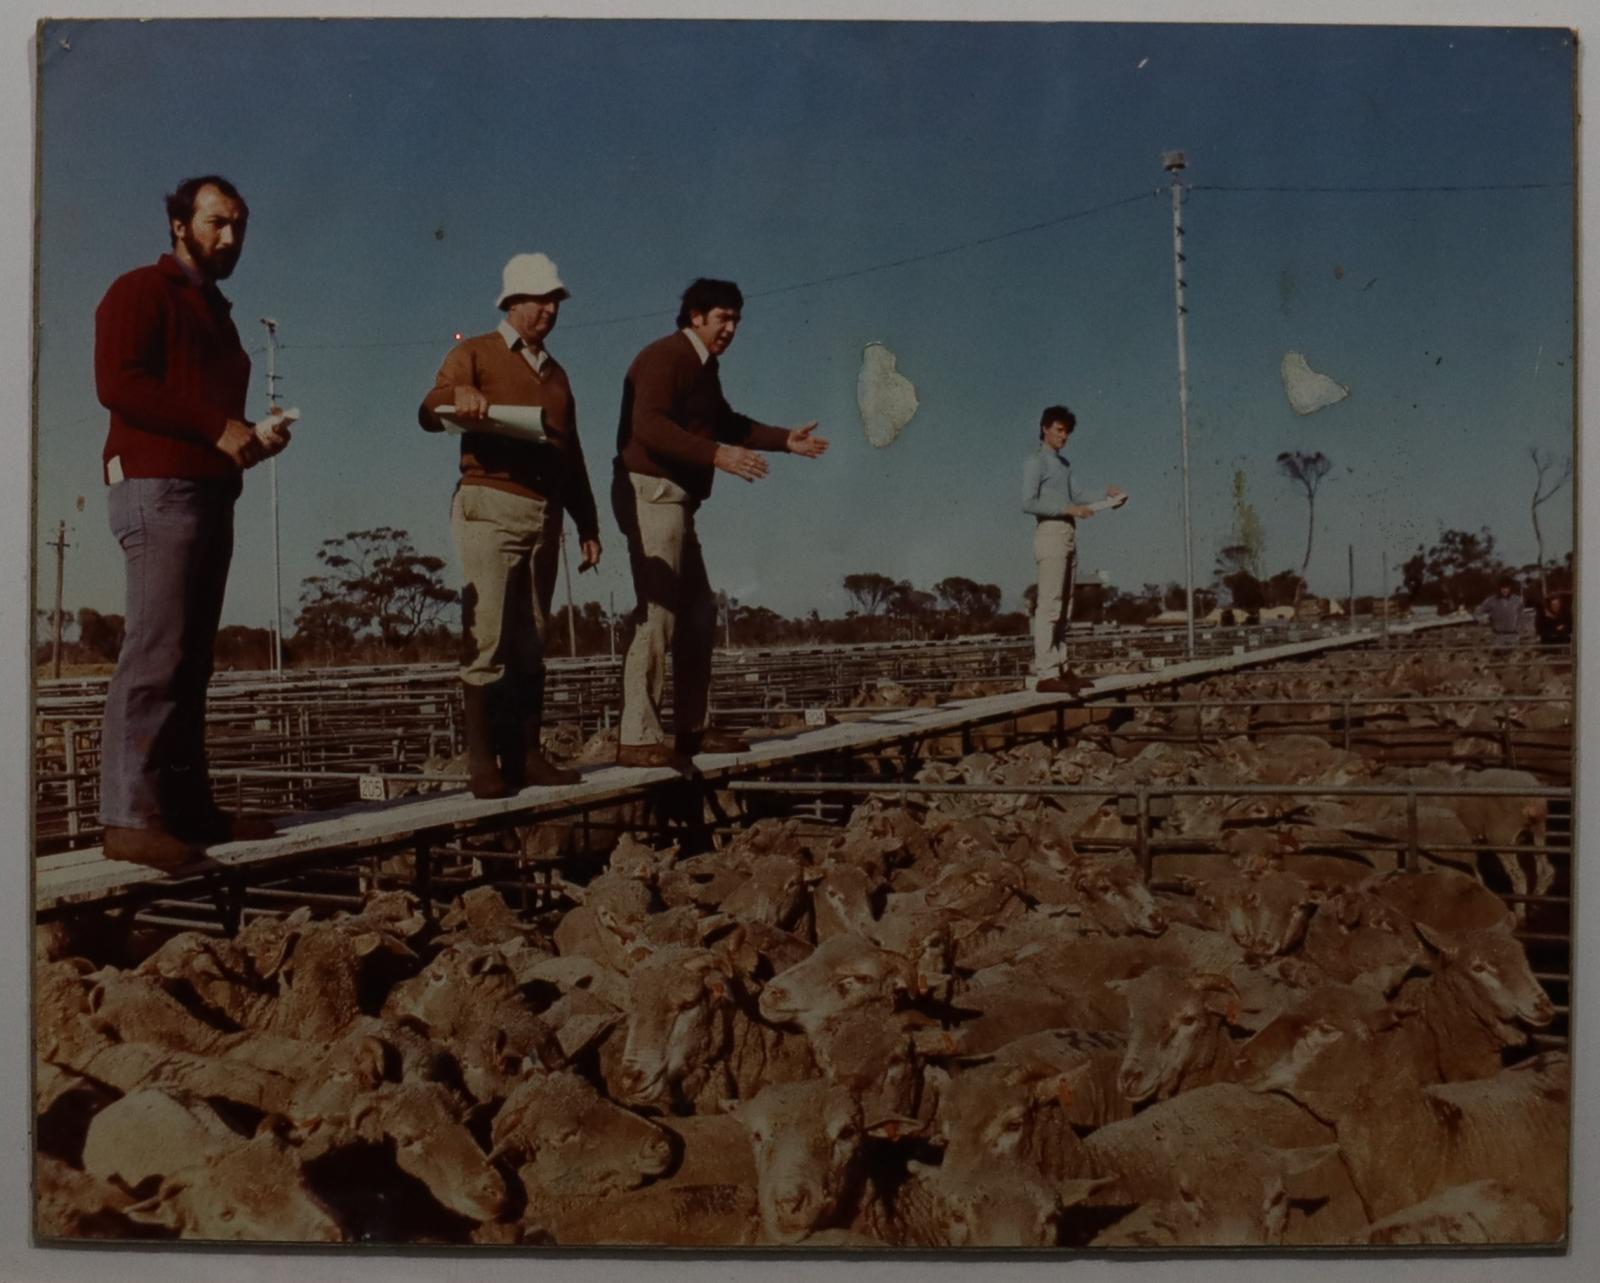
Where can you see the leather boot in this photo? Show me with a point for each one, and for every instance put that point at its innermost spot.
(152, 846)
(537, 769)
(483, 772)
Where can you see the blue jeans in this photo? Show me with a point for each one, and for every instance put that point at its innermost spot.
(177, 541)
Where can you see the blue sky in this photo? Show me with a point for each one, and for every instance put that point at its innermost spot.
(405, 161)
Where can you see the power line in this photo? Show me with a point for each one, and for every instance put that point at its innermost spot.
(792, 286)
(1456, 187)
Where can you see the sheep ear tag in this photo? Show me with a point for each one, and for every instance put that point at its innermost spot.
(1064, 1092)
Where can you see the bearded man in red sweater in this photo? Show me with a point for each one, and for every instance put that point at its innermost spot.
(170, 368)
(676, 428)
(506, 518)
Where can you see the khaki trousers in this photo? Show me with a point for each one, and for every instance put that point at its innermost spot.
(1055, 552)
(676, 613)
(509, 545)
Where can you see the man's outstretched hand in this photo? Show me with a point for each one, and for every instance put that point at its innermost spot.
(801, 441)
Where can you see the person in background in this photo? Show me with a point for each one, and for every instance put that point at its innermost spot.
(1503, 611)
(1553, 623)
(1047, 496)
(676, 429)
(506, 518)
(169, 367)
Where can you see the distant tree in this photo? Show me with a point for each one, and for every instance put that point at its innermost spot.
(969, 601)
(912, 606)
(1030, 598)
(1284, 589)
(240, 647)
(100, 636)
(1248, 535)
(1235, 571)
(870, 591)
(1306, 471)
(1544, 486)
(375, 585)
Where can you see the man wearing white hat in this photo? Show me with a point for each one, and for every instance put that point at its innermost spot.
(506, 518)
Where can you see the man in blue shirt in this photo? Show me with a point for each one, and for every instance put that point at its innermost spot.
(1503, 611)
(1047, 496)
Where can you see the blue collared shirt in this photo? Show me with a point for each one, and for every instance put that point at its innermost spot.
(1047, 484)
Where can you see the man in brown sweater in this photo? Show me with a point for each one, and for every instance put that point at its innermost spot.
(676, 428)
(506, 519)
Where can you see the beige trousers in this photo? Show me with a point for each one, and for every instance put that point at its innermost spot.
(509, 547)
(1055, 552)
(676, 613)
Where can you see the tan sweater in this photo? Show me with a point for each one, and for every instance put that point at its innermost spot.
(554, 471)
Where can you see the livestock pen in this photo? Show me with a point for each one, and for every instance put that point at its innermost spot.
(886, 915)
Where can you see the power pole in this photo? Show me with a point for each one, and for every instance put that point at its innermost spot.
(1351, 622)
(60, 545)
(611, 623)
(1174, 163)
(277, 572)
(727, 622)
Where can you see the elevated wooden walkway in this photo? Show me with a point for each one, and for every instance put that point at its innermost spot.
(85, 876)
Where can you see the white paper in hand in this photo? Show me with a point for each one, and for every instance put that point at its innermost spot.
(887, 399)
(1110, 501)
(277, 419)
(517, 422)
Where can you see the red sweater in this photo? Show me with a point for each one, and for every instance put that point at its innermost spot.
(674, 416)
(169, 366)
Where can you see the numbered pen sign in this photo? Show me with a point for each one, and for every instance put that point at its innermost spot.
(1238, 650)
(752, 677)
(372, 788)
(816, 717)
(1157, 663)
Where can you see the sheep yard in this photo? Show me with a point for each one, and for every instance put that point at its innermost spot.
(1276, 955)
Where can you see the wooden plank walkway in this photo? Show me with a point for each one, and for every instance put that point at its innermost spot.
(86, 876)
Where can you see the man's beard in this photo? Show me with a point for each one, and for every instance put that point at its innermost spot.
(217, 264)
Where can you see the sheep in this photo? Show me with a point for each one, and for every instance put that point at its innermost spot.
(254, 1193)
(1022, 1106)
(1356, 937)
(68, 1203)
(426, 1125)
(1404, 1142)
(1485, 1211)
(1243, 1201)
(1265, 911)
(844, 973)
(688, 1038)
(1176, 1032)
(154, 1132)
(1476, 1002)
(568, 1141)
(1500, 822)
(1001, 1206)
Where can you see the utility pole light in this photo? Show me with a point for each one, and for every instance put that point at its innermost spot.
(1175, 163)
(272, 470)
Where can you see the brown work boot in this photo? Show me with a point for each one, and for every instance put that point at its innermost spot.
(654, 755)
(1067, 683)
(712, 741)
(483, 771)
(540, 771)
(214, 826)
(152, 846)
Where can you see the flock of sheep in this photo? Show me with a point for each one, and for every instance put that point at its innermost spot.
(960, 1020)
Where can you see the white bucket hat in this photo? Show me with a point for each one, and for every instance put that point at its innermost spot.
(532, 274)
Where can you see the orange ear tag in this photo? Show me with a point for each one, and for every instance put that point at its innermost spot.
(1064, 1093)
(1232, 1016)
(891, 1129)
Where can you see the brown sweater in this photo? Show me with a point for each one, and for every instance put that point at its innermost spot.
(674, 416)
(554, 471)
